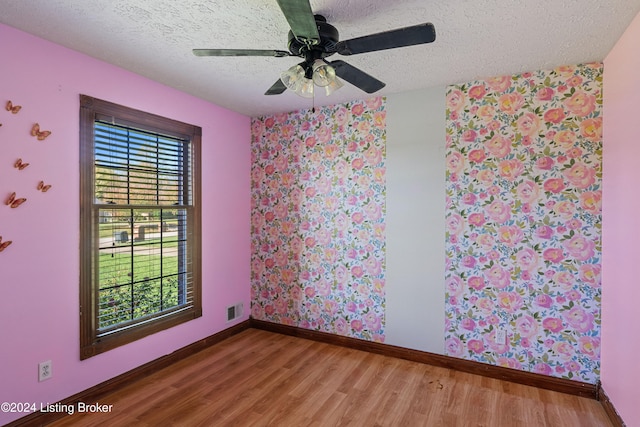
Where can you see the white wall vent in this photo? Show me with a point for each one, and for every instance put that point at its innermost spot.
(234, 311)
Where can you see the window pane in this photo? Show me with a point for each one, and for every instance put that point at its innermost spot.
(142, 263)
(147, 295)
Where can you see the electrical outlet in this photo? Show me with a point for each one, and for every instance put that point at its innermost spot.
(501, 336)
(44, 370)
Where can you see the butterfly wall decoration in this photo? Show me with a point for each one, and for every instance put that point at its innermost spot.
(5, 244)
(43, 187)
(40, 134)
(20, 165)
(13, 108)
(15, 202)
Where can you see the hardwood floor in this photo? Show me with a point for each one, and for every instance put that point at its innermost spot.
(260, 378)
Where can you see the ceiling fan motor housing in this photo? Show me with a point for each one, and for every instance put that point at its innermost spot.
(325, 47)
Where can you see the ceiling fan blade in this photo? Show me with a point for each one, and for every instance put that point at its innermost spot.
(301, 20)
(407, 36)
(277, 88)
(357, 77)
(240, 52)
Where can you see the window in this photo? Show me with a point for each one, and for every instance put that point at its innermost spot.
(139, 224)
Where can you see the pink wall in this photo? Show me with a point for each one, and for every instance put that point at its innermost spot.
(39, 271)
(621, 230)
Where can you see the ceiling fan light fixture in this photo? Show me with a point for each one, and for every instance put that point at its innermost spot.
(323, 73)
(295, 79)
(292, 78)
(305, 88)
(333, 86)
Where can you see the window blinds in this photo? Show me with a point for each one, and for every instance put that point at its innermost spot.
(135, 167)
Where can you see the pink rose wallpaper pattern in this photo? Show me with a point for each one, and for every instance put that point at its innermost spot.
(318, 219)
(523, 221)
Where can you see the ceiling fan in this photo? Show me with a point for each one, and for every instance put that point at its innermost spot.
(313, 39)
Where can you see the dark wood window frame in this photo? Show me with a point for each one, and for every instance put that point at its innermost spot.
(94, 340)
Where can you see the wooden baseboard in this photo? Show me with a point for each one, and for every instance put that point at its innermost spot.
(498, 372)
(95, 393)
(606, 403)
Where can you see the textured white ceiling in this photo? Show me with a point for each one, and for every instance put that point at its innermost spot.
(475, 38)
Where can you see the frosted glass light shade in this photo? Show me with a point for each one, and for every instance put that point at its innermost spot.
(323, 73)
(292, 77)
(333, 86)
(305, 89)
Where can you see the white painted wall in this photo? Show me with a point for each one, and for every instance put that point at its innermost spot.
(415, 220)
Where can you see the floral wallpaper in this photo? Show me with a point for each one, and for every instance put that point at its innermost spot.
(523, 221)
(318, 228)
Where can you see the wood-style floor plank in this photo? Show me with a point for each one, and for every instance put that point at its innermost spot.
(260, 378)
